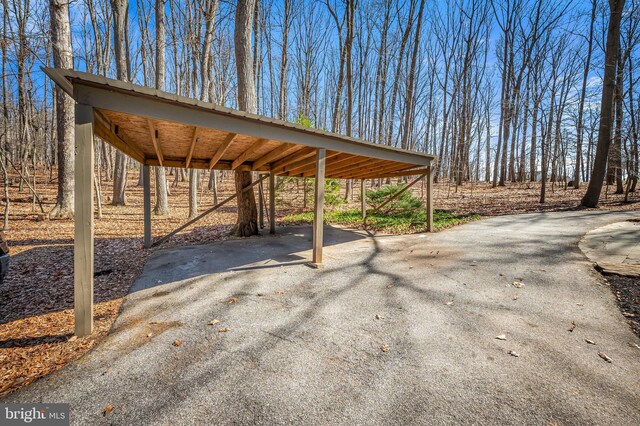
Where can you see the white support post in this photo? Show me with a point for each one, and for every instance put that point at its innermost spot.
(83, 237)
(146, 184)
(430, 199)
(318, 213)
(363, 199)
(272, 203)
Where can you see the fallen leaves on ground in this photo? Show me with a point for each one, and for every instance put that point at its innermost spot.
(232, 301)
(514, 353)
(107, 410)
(501, 337)
(214, 322)
(36, 299)
(572, 326)
(589, 341)
(223, 330)
(518, 284)
(385, 348)
(605, 357)
(177, 343)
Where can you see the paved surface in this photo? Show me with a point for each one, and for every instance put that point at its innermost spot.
(615, 247)
(303, 346)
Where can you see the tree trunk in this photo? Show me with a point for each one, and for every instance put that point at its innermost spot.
(63, 58)
(583, 93)
(247, 222)
(119, 8)
(592, 196)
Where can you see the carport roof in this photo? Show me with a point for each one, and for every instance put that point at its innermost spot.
(158, 128)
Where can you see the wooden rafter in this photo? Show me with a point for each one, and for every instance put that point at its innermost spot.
(297, 156)
(247, 153)
(221, 150)
(297, 167)
(281, 151)
(194, 138)
(154, 140)
(105, 130)
(412, 172)
(367, 171)
(203, 164)
(342, 168)
(335, 161)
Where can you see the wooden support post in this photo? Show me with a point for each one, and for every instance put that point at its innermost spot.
(83, 237)
(272, 203)
(318, 213)
(146, 185)
(430, 199)
(261, 202)
(363, 200)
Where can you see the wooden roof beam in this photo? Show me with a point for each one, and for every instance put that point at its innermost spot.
(104, 129)
(281, 151)
(154, 139)
(197, 163)
(297, 167)
(299, 155)
(373, 171)
(194, 138)
(248, 152)
(336, 161)
(228, 140)
(401, 173)
(341, 168)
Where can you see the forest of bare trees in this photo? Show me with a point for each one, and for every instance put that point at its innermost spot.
(500, 90)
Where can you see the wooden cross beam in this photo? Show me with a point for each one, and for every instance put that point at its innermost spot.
(299, 155)
(205, 213)
(221, 150)
(282, 150)
(397, 194)
(247, 153)
(194, 138)
(154, 139)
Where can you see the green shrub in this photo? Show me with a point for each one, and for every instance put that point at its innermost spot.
(332, 196)
(406, 204)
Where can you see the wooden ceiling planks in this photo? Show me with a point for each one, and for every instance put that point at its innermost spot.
(172, 131)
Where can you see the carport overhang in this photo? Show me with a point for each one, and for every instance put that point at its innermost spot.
(157, 128)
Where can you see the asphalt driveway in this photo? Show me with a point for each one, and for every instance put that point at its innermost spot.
(393, 330)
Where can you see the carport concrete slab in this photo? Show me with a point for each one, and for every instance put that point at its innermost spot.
(393, 330)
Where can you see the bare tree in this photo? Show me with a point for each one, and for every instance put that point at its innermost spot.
(247, 222)
(162, 200)
(592, 196)
(63, 58)
(583, 93)
(119, 8)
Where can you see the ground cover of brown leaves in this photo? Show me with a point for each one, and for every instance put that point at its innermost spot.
(36, 298)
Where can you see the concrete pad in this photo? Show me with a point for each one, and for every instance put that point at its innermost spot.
(393, 330)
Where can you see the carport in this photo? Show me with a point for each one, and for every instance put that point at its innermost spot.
(157, 128)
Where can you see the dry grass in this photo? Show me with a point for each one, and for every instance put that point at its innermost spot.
(36, 299)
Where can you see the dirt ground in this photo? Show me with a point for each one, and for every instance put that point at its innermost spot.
(36, 299)
(627, 292)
